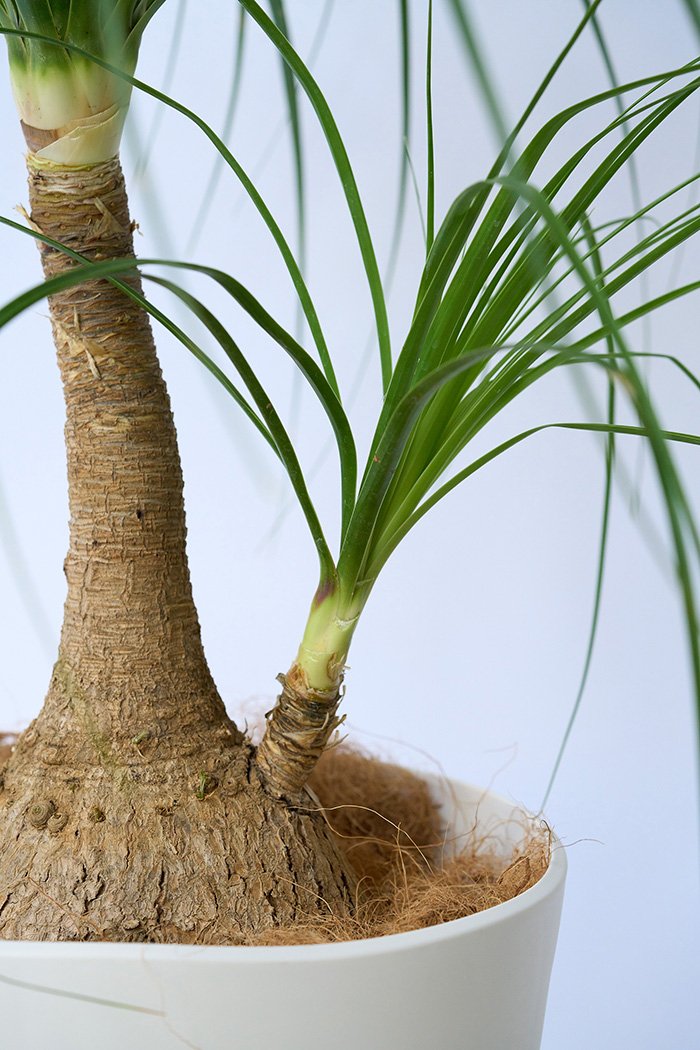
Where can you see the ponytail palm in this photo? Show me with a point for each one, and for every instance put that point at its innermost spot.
(518, 281)
(132, 792)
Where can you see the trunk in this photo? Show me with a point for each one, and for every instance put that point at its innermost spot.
(131, 808)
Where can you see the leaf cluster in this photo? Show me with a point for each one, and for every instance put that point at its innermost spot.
(107, 29)
(518, 282)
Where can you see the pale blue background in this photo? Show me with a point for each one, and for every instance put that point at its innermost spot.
(470, 652)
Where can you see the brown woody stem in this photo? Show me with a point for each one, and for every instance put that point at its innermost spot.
(130, 808)
(129, 609)
(298, 730)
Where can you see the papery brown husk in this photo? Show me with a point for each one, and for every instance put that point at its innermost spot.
(411, 875)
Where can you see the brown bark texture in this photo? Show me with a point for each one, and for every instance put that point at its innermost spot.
(132, 808)
(298, 731)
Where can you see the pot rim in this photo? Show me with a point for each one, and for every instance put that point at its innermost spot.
(550, 883)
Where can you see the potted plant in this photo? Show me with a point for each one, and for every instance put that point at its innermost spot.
(463, 363)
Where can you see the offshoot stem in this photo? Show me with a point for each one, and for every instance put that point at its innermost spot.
(304, 719)
(326, 641)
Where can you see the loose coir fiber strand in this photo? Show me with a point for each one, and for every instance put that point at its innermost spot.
(386, 821)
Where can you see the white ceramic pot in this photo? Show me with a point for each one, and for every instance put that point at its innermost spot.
(478, 983)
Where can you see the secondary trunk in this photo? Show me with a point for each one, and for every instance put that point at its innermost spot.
(131, 808)
(298, 730)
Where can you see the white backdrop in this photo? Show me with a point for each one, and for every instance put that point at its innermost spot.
(470, 651)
